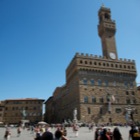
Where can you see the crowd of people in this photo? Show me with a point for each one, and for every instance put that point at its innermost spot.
(43, 132)
(102, 133)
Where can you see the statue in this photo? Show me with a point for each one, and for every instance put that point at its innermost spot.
(24, 114)
(75, 115)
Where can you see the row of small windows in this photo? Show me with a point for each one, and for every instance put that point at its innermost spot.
(130, 93)
(23, 102)
(117, 110)
(27, 114)
(106, 83)
(21, 108)
(102, 100)
(106, 64)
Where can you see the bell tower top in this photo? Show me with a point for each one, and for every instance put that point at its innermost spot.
(106, 31)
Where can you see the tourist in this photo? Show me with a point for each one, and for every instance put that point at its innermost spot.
(7, 134)
(109, 133)
(75, 129)
(132, 131)
(103, 135)
(116, 134)
(59, 135)
(47, 136)
(37, 133)
(136, 134)
(97, 133)
(18, 131)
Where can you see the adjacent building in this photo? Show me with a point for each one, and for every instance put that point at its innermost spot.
(16, 110)
(101, 88)
(1, 111)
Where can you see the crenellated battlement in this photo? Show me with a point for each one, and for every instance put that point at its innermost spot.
(91, 56)
(100, 63)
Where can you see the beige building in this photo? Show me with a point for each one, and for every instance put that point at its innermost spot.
(16, 110)
(101, 88)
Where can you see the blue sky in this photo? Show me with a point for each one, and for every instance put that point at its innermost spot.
(39, 38)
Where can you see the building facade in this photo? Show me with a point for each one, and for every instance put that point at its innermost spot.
(16, 110)
(101, 88)
(1, 111)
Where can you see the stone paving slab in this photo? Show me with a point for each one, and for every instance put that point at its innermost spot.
(84, 134)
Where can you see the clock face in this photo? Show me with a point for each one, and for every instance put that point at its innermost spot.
(112, 55)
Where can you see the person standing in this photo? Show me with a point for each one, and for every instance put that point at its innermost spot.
(18, 131)
(75, 129)
(59, 135)
(116, 134)
(104, 135)
(7, 134)
(132, 131)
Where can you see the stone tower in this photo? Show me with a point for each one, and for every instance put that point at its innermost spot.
(102, 88)
(106, 31)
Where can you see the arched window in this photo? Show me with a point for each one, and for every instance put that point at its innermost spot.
(126, 84)
(89, 111)
(134, 101)
(99, 82)
(127, 93)
(85, 62)
(128, 101)
(101, 100)
(92, 82)
(106, 83)
(131, 84)
(133, 93)
(101, 110)
(81, 61)
(93, 99)
(85, 99)
(85, 81)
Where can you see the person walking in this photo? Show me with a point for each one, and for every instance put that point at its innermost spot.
(7, 134)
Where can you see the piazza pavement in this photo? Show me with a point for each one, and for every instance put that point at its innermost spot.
(84, 133)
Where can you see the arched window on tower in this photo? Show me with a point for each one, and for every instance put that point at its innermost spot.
(134, 101)
(107, 16)
(93, 99)
(128, 101)
(85, 81)
(106, 83)
(99, 82)
(126, 84)
(127, 93)
(131, 84)
(92, 82)
(101, 100)
(85, 99)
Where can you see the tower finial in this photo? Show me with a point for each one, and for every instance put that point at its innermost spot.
(103, 5)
